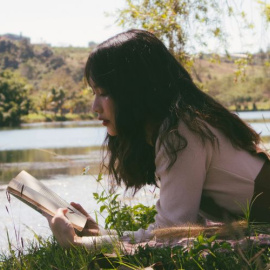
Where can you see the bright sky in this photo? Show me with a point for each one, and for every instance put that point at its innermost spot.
(76, 22)
(60, 22)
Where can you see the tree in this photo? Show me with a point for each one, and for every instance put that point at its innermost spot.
(189, 26)
(58, 99)
(265, 10)
(26, 50)
(14, 100)
(81, 102)
(59, 78)
(7, 46)
(45, 53)
(56, 62)
(184, 24)
(44, 101)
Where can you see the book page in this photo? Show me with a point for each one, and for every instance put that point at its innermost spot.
(40, 195)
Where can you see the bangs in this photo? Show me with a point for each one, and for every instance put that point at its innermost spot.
(100, 70)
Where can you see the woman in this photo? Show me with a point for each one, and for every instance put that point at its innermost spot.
(162, 128)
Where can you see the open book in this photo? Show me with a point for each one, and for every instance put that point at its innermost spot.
(35, 194)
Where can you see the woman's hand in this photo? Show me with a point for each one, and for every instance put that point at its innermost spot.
(91, 228)
(63, 229)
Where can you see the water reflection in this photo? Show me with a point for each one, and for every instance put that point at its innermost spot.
(51, 138)
(58, 153)
(49, 149)
(46, 150)
(45, 163)
(65, 124)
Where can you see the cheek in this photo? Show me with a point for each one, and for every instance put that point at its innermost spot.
(94, 105)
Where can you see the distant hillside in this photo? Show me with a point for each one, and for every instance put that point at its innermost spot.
(238, 83)
(54, 76)
(44, 66)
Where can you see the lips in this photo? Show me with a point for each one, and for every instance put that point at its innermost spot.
(104, 122)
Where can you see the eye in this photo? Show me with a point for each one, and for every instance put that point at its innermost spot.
(100, 92)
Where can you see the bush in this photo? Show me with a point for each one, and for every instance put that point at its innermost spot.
(14, 100)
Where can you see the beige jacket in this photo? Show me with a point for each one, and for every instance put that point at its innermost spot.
(223, 173)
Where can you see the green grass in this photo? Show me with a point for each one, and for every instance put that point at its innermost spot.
(50, 117)
(46, 254)
(202, 253)
(205, 251)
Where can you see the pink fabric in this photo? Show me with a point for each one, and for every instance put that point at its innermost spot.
(262, 240)
(224, 173)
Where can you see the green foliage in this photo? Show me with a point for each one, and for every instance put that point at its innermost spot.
(122, 217)
(56, 62)
(58, 98)
(187, 26)
(8, 52)
(48, 68)
(238, 83)
(26, 50)
(14, 100)
(181, 24)
(46, 254)
(205, 253)
(81, 101)
(49, 117)
(44, 101)
(265, 10)
(240, 95)
(245, 90)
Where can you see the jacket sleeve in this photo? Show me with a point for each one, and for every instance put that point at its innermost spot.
(182, 184)
(180, 190)
(109, 238)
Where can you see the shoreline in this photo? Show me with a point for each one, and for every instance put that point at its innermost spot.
(38, 120)
(75, 118)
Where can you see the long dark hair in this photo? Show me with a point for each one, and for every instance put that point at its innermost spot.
(150, 88)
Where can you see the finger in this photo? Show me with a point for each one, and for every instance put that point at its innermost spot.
(79, 208)
(61, 212)
(59, 219)
(60, 216)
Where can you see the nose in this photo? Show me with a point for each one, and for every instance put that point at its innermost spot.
(96, 106)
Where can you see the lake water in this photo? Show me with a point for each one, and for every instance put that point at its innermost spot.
(57, 154)
(256, 115)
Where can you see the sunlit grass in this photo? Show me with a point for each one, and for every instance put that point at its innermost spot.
(50, 117)
(202, 253)
(46, 254)
(232, 246)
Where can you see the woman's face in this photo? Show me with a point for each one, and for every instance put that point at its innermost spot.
(103, 105)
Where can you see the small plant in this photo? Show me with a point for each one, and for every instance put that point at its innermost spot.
(47, 254)
(203, 251)
(122, 217)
